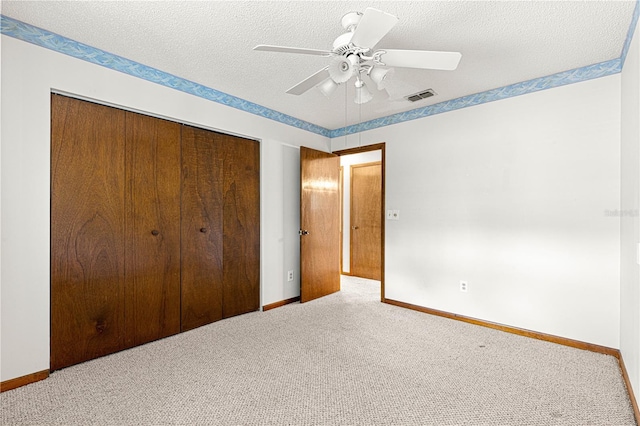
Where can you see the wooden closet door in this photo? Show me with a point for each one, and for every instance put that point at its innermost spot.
(87, 230)
(152, 267)
(201, 250)
(241, 290)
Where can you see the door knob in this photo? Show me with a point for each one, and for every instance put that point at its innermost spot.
(155, 232)
(203, 230)
(354, 227)
(303, 232)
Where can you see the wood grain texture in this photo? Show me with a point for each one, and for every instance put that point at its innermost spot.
(241, 288)
(513, 330)
(201, 228)
(341, 237)
(366, 220)
(382, 147)
(152, 266)
(280, 303)
(320, 216)
(8, 385)
(87, 230)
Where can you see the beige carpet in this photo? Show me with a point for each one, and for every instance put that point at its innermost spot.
(346, 359)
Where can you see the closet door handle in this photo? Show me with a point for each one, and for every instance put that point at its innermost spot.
(203, 230)
(155, 232)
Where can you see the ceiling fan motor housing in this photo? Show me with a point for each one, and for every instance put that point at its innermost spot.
(342, 44)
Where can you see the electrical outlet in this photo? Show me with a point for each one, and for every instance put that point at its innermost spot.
(290, 276)
(464, 286)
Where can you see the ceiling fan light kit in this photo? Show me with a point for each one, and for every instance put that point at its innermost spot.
(363, 95)
(327, 87)
(381, 76)
(353, 54)
(341, 68)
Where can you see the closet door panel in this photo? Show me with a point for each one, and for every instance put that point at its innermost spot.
(87, 230)
(153, 228)
(201, 251)
(241, 291)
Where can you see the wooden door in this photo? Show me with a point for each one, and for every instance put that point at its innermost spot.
(201, 228)
(241, 258)
(320, 217)
(366, 221)
(87, 231)
(152, 267)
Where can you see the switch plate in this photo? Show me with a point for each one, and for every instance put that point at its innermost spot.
(290, 275)
(396, 214)
(389, 214)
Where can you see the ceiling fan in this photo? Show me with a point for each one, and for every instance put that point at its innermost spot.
(353, 55)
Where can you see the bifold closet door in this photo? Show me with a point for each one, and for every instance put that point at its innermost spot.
(241, 290)
(202, 221)
(87, 231)
(152, 267)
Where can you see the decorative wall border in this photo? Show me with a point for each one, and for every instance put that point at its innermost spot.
(577, 75)
(43, 38)
(632, 28)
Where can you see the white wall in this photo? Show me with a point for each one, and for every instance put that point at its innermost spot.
(346, 161)
(630, 226)
(510, 196)
(29, 73)
(291, 221)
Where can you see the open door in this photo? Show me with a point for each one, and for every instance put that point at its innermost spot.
(319, 224)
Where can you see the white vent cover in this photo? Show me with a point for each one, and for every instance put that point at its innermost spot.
(421, 95)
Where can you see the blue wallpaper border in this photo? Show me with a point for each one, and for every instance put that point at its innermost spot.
(602, 69)
(43, 38)
(630, 32)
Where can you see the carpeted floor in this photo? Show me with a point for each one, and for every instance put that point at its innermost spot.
(346, 359)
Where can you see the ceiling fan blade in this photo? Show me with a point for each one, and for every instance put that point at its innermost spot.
(284, 49)
(421, 59)
(373, 25)
(309, 82)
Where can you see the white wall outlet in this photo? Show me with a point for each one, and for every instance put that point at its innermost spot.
(290, 276)
(389, 214)
(396, 214)
(464, 286)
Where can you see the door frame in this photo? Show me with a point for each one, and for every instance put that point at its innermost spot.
(375, 147)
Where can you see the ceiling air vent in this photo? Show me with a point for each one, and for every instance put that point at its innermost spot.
(421, 95)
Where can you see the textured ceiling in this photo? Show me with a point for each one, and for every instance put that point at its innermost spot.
(210, 42)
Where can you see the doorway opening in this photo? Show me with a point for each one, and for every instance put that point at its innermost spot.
(362, 213)
(320, 224)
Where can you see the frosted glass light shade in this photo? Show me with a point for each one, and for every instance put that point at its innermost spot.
(381, 76)
(327, 87)
(363, 95)
(341, 69)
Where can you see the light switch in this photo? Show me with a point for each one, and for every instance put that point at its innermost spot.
(389, 214)
(396, 215)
